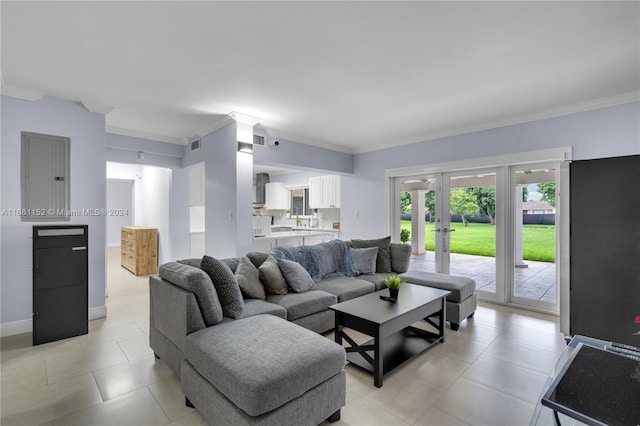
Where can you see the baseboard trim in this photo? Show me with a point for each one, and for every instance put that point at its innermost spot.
(15, 327)
(26, 326)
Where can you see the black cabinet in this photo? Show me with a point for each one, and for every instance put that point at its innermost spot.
(605, 249)
(60, 282)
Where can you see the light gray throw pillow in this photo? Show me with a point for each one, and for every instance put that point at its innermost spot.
(226, 286)
(296, 276)
(249, 280)
(364, 260)
(271, 277)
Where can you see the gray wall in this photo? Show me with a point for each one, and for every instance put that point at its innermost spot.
(88, 191)
(607, 132)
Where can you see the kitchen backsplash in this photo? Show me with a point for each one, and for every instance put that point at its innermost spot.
(326, 218)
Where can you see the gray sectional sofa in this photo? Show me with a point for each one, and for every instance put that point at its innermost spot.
(233, 370)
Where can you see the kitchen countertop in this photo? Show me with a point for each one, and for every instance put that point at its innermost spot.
(299, 232)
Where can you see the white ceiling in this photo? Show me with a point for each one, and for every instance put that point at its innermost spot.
(355, 76)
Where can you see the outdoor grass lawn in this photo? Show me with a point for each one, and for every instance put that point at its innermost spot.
(539, 241)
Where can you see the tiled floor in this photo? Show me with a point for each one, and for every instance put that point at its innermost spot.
(490, 372)
(536, 281)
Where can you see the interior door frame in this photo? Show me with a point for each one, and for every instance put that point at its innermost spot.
(504, 199)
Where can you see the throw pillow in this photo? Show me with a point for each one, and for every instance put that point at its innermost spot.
(364, 260)
(249, 280)
(383, 260)
(271, 277)
(296, 276)
(226, 286)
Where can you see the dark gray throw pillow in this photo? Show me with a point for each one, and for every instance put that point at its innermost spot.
(364, 260)
(249, 280)
(271, 277)
(296, 276)
(383, 260)
(226, 286)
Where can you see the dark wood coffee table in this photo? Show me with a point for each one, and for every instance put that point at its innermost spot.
(395, 339)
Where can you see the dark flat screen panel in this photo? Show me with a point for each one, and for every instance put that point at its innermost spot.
(605, 248)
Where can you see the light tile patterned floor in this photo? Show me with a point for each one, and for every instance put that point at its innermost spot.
(489, 372)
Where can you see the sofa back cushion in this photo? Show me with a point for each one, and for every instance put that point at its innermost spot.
(400, 257)
(383, 260)
(198, 282)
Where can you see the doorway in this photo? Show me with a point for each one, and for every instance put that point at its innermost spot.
(450, 218)
(494, 224)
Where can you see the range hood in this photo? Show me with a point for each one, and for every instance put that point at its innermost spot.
(262, 179)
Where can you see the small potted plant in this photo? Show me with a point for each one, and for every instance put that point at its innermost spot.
(393, 282)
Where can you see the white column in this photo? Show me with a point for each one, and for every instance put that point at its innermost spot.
(244, 184)
(519, 263)
(417, 222)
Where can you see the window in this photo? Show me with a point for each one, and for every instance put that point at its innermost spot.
(45, 177)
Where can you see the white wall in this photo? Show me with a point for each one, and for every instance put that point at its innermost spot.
(152, 195)
(120, 208)
(88, 191)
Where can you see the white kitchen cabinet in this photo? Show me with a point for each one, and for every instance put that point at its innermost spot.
(311, 240)
(263, 245)
(315, 192)
(277, 196)
(289, 241)
(196, 185)
(324, 192)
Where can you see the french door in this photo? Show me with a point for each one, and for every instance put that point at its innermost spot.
(489, 224)
(448, 233)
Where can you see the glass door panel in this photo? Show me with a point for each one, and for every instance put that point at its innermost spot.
(534, 268)
(417, 220)
(469, 230)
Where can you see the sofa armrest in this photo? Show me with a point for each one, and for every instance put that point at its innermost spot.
(174, 312)
(400, 257)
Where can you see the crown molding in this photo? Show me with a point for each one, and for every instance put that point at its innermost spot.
(145, 135)
(96, 107)
(21, 93)
(216, 124)
(244, 118)
(591, 105)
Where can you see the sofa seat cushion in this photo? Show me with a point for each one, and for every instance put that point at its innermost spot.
(262, 362)
(460, 287)
(376, 279)
(345, 288)
(254, 307)
(300, 305)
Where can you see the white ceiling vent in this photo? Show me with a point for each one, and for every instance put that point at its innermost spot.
(258, 140)
(195, 144)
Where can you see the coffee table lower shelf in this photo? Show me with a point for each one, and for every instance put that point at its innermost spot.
(397, 349)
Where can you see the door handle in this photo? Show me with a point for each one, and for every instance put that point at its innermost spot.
(79, 248)
(445, 230)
